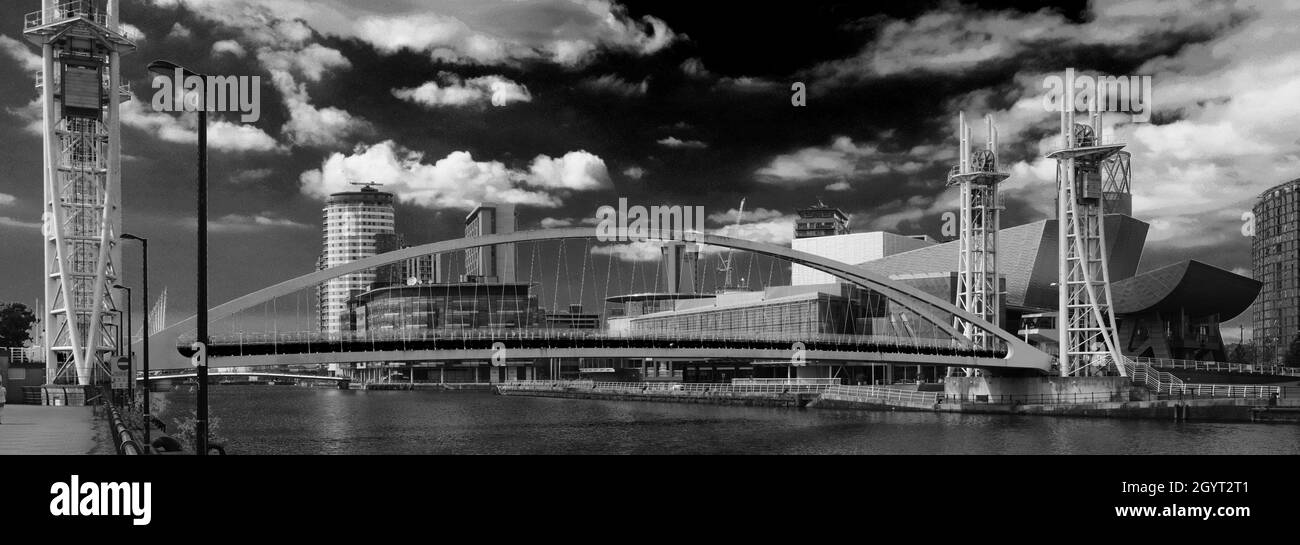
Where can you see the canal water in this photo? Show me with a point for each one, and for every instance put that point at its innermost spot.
(295, 420)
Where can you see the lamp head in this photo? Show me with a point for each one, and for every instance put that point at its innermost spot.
(168, 68)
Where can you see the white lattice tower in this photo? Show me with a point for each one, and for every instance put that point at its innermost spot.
(977, 176)
(81, 43)
(1086, 320)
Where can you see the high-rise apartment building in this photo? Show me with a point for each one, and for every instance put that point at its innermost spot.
(1275, 256)
(353, 221)
(490, 263)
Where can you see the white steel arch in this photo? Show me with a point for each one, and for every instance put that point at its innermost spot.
(1019, 353)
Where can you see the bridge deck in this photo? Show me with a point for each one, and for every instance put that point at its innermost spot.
(578, 343)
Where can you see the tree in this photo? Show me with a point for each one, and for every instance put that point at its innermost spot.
(15, 324)
(1241, 353)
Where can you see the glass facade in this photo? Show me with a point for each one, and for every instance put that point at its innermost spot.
(445, 306)
(1275, 255)
(845, 309)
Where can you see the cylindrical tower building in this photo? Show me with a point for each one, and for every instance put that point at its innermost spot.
(352, 220)
(1275, 258)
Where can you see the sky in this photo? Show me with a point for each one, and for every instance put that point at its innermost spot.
(561, 106)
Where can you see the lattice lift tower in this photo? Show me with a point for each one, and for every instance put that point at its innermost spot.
(1086, 170)
(977, 176)
(81, 44)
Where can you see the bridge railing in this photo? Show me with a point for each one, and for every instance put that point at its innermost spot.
(30, 354)
(1160, 382)
(1223, 367)
(819, 341)
(786, 381)
(665, 387)
(885, 395)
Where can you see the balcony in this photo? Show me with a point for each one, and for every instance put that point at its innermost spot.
(67, 11)
(71, 11)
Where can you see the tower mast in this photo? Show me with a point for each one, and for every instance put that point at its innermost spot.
(1086, 320)
(977, 176)
(81, 90)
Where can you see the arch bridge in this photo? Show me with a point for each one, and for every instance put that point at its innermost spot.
(1009, 353)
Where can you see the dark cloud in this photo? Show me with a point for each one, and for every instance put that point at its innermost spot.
(680, 103)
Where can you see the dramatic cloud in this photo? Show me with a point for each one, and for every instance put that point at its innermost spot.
(771, 229)
(443, 37)
(22, 53)
(179, 31)
(6, 221)
(1230, 110)
(457, 180)
(843, 161)
(228, 46)
(614, 85)
(481, 33)
(555, 223)
(959, 38)
(576, 170)
(312, 126)
(31, 116)
(244, 224)
(451, 90)
(634, 172)
(631, 251)
(674, 142)
(746, 84)
(310, 62)
(251, 175)
(222, 135)
(694, 68)
(751, 215)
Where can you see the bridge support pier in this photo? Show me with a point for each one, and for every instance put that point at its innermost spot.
(1039, 389)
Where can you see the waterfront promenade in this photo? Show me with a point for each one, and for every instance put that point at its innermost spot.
(35, 429)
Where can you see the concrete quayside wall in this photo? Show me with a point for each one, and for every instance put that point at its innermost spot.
(1100, 397)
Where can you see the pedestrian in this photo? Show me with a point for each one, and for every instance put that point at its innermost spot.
(3, 393)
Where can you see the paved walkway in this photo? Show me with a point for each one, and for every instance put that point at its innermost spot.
(36, 429)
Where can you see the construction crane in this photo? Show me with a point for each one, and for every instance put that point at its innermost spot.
(726, 267)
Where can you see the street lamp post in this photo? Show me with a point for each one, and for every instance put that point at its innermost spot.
(144, 342)
(169, 69)
(130, 350)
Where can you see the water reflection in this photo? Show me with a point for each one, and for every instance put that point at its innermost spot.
(290, 420)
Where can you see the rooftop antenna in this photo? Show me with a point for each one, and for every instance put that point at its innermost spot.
(368, 186)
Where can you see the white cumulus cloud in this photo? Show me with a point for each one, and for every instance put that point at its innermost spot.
(457, 180)
(451, 90)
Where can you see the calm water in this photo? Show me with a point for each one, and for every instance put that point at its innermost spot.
(293, 420)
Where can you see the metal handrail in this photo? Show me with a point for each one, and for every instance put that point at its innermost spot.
(880, 393)
(1166, 383)
(824, 341)
(639, 387)
(1219, 366)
